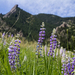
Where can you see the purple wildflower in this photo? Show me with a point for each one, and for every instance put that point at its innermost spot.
(12, 35)
(17, 47)
(40, 40)
(11, 57)
(53, 44)
(14, 51)
(3, 34)
(68, 67)
(3, 37)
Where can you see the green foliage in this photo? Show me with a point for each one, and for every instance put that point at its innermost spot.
(29, 66)
(66, 35)
(29, 63)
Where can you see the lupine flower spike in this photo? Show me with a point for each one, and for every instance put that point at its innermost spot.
(14, 51)
(3, 37)
(68, 67)
(41, 38)
(53, 43)
(12, 55)
(17, 47)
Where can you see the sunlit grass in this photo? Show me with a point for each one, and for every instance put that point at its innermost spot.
(29, 63)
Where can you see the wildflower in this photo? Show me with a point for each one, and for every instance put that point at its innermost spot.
(3, 37)
(3, 40)
(12, 57)
(12, 35)
(40, 40)
(68, 67)
(14, 51)
(17, 50)
(64, 56)
(61, 51)
(53, 43)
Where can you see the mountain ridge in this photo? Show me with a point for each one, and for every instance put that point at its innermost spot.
(26, 18)
(29, 25)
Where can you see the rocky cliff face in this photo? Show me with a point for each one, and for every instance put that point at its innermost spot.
(10, 12)
(62, 26)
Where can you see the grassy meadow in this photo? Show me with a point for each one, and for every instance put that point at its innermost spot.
(32, 64)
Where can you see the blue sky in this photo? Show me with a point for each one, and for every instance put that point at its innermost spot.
(63, 8)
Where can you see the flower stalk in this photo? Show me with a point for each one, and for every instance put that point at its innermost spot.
(40, 40)
(14, 51)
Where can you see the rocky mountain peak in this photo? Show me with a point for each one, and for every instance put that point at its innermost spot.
(10, 12)
(64, 24)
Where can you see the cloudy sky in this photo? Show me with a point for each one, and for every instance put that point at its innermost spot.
(63, 8)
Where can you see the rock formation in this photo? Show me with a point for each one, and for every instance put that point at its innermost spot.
(10, 12)
(63, 25)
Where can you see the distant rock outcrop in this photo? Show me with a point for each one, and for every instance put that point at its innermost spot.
(63, 25)
(10, 12)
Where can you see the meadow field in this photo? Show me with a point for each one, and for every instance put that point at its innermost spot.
(20, 57)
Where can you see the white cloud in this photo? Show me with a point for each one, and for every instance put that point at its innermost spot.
(64, 8)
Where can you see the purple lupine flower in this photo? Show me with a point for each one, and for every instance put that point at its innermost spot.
(11, 57)
(14, 51)
(4, 43)
(53, 44)
(17, 47)
(3, 37)
(12, 35)
(3, 34)
(40, 40)
(68, 67)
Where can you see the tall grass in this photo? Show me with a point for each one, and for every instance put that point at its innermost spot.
(46, 65)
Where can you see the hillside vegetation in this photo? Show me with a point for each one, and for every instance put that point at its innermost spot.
(18, 20)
